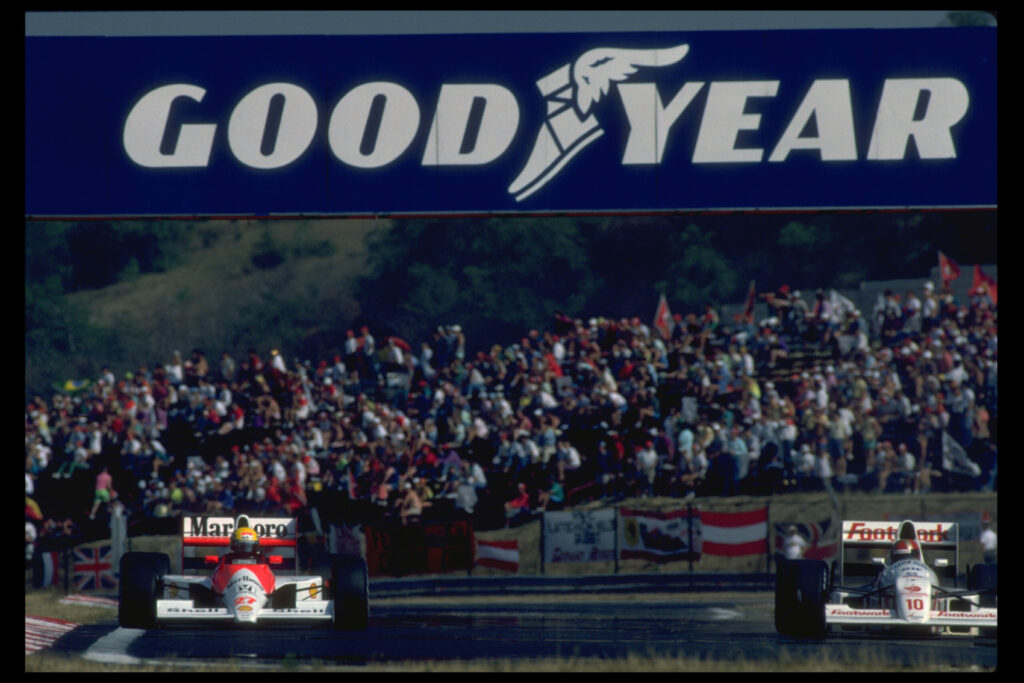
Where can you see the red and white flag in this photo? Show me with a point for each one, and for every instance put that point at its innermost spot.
(663, 318)
(734, 533)
(985, 283)
(747, 316)
(498, 554)
(949, 269)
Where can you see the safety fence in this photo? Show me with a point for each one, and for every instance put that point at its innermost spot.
(705, 538)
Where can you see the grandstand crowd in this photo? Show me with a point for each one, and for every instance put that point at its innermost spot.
(902, 400)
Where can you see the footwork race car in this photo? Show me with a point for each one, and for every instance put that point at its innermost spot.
(891, 578)
(234, 582)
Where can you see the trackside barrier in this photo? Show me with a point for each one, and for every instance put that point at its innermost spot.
(590, 583)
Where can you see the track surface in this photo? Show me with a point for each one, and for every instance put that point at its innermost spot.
(720, 628)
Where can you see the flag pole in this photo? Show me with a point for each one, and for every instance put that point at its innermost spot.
(615, 527)
(689, 532)
(542, 540)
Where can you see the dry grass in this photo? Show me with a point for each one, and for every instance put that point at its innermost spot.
(858, 662)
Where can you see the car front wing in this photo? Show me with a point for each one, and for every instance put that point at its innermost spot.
(185, 611)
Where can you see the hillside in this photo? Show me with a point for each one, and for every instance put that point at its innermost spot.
(235, 289)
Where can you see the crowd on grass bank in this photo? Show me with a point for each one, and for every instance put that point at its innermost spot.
(814, 395)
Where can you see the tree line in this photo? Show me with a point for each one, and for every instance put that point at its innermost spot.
(497, 277)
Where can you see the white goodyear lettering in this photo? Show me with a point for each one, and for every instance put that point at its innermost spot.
(370, 127)
(147, 123)
(374, 124)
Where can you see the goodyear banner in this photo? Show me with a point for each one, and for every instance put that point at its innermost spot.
(517, 123)
(579, 536)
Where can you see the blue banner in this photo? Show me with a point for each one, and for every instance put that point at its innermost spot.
(456, 124)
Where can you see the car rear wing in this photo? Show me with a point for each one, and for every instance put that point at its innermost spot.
(863, 543)
(202, 536)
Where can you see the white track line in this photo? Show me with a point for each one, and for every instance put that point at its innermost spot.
(113, 647)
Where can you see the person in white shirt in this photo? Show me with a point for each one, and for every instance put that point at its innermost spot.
(795, 545)
(988, 541)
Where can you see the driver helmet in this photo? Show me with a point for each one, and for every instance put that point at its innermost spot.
(906, 549)
(245, 540)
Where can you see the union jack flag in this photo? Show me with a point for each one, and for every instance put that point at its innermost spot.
(822, 539)
(92, 568)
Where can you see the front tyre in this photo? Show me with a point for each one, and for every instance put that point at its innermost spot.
(141, 574)
(801, 591)
(350, 592)
(985, 577)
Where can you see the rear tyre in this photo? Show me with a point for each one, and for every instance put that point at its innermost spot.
(350, 592)
(141, 574)
(801, 589)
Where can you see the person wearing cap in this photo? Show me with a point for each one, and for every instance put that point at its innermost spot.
(794, 545)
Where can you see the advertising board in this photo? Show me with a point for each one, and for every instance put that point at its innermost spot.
(261, 125)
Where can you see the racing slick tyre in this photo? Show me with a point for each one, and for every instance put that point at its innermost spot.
(140, 578)
(801, 591)
(985, 577)
(350, 592)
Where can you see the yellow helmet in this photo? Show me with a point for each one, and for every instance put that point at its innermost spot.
(245, 540)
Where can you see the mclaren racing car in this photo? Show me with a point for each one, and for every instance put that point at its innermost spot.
(890, 578)
(240, 585)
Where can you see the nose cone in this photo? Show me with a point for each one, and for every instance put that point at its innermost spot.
(244, 597)
(913, 598)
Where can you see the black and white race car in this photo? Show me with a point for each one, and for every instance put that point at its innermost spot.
(241, 585)
(890, 578)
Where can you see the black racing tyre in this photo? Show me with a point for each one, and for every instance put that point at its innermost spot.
(984, 577)
(350, 591)
(801, 591)
(141, 574)
(784, 592)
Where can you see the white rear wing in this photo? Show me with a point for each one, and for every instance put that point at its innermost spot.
(863, 540)
(202, 536)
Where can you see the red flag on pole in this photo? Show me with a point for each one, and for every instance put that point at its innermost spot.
(748, 308)
(949, 269)
(663, 318)
(983, 284)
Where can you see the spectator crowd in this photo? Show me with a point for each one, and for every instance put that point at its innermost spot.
(815, 395)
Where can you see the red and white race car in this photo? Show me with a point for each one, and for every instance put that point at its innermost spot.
(245, 586)
(892, 578)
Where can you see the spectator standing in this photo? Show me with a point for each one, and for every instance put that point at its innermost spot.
(988, 540)
(104, 491)
(794, 545)
(647, 467)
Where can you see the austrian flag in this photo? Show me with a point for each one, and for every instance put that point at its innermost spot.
(498, 554)
(734, 533)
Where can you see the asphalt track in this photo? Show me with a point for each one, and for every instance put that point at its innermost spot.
(736, 628)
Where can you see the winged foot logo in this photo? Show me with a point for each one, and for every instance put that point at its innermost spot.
(566, 132)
